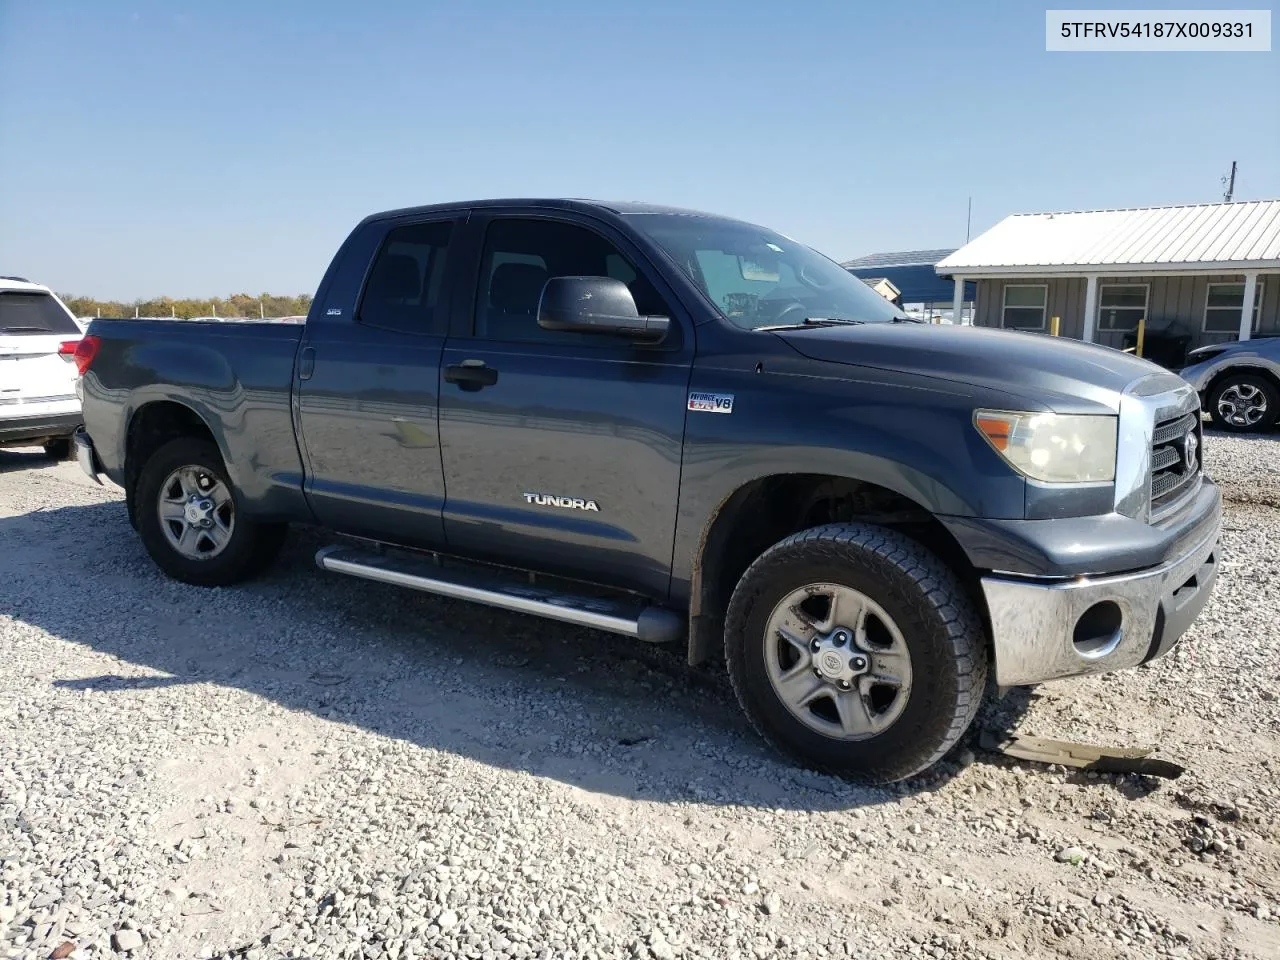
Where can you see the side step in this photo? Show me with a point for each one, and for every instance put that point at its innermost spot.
(632, 619)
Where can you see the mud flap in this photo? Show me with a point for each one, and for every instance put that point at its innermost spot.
(1084, 756)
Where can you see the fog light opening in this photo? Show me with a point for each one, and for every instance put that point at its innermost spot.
(1097, 632)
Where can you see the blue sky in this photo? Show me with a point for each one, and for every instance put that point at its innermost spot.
(200, 149)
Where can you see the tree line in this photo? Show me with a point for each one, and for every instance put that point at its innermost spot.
(236, 305)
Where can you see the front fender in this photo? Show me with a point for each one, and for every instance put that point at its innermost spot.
(915, 439)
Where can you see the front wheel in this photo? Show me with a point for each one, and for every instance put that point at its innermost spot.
(1244, 403)
(855, 650)
(191, 521)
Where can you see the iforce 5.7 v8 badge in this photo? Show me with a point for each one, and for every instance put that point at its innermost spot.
(711, 402)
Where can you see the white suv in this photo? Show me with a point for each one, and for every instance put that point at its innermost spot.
(38, 340)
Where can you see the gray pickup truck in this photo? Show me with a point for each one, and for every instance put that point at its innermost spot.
(681, 428)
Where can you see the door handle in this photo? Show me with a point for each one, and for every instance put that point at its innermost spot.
(471, 374)
(306, 363)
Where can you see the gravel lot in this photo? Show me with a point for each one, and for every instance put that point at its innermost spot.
(317, 766)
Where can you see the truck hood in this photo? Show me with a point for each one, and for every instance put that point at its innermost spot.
(1063, 374)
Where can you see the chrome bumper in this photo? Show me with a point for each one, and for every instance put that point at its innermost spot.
(85, 455)
(1040, 630)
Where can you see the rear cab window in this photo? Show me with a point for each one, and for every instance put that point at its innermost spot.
(403, 292)
(32, 313)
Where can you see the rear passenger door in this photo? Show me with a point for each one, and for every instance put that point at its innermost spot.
(562, 450)
(368, 393)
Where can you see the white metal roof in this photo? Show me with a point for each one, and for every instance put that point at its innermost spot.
(1206, 236)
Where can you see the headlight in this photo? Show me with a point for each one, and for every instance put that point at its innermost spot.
(1051, 447)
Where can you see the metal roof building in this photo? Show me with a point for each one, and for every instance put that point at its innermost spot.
(883, 286)
(1207, 272)
(1210, 236)
(911, 271)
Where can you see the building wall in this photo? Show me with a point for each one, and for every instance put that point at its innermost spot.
(1175, 299)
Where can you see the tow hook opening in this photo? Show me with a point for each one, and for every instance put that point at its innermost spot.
(1097, 632)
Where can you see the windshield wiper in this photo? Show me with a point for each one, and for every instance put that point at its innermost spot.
(23, 330)
(815, 322)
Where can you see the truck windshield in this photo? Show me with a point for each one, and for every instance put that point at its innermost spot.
(758, 278)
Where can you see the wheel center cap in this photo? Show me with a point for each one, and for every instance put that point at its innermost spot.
(198, 511)
(837, 660)
(832, 664)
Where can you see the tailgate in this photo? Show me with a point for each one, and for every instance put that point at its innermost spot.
(32, 371)
(33, 325)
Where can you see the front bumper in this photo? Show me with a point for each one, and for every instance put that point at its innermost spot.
(1044, 630)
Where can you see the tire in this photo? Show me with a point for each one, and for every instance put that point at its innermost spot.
(923, 626)
(232, 549)
(58, 449)
(1244, 403)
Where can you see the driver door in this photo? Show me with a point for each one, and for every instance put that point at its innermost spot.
(564, 454)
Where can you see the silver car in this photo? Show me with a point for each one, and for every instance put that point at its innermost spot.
(1239, 383)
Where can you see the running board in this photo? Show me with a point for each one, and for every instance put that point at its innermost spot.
(632, 619)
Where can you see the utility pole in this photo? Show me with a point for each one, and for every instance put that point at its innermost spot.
(1230, 183)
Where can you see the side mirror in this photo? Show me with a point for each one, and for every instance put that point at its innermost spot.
(596, 305)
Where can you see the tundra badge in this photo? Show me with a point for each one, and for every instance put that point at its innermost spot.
(569, 503)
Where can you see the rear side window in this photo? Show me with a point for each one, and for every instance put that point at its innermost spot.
(33, 314)
(403, 290)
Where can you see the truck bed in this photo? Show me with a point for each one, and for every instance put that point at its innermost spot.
(237, 377)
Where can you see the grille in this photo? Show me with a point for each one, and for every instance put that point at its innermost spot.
(1173, 429)
(1172, 478)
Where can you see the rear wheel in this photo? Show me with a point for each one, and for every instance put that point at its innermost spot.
(1244, 403)
(191, 521)
(855, 650)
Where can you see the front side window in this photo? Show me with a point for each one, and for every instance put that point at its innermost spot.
(33, 314)
(1121, 305)
(1223, 305)
(757, 278)
(520, 256)
(404, 284)
(1024, 306)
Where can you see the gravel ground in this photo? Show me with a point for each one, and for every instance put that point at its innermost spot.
(317, 766)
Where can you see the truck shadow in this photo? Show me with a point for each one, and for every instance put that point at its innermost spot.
(601, 713)
(16, 459)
